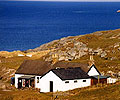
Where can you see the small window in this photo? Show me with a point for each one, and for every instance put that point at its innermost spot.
(37, 79)
(66, 81)
(84, 80)
(75, 81)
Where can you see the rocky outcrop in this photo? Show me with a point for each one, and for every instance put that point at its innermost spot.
(70, 48)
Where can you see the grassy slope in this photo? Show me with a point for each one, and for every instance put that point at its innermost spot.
(24, 95)
(110, 92)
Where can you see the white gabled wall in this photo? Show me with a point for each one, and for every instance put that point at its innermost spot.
(93, 71)
(45, 82)
(59, 85)
(16, 79)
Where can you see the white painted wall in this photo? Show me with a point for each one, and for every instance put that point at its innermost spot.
(16, 79)
(111, 80)
(93, 72)
(59, 85)
(37, 85)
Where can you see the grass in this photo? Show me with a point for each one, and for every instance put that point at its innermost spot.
(111, 92)
(100, 92)
(13, 62)
(24, 95)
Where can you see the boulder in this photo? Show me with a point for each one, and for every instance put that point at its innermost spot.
(113, 58)
(61, 58)
(116, 45)
(103, 54)
(82, 53)
(98, 51)
(72, 52)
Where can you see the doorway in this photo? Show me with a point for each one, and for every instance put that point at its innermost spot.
(19, 83)
(26, 83)
(51, 86)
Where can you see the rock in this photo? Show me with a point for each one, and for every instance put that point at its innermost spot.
(90, 50)
(83, 49)
(119, 48)
(48, 58)
(77, 57)
(98, 51)
(72, 52)
(116, 45)
(61, 58)
(82, 53)
(98, 33)
(113, 58)
(77, 43)
(103, 54)
(3, 86)
(69, 58)
(118, 11)
(113, 51)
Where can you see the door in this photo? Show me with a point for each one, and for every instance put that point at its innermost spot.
(51, 86)
(19, 83)
(32, 83)
(26, 83)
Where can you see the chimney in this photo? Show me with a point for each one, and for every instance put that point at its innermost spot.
(91, 61)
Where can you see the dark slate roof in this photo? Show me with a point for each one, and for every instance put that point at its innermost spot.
(63, 64)
(34, 67)
(100, 77)
(70, 73)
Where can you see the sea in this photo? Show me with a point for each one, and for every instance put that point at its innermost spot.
(28, 24)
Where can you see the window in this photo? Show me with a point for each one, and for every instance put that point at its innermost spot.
(75, 81)
(66, 81)
(84, 80)
(37, 79)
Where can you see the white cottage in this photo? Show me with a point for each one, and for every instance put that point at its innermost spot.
(62, 79)
(61, 76)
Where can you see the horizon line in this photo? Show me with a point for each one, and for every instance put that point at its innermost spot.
(68, 0)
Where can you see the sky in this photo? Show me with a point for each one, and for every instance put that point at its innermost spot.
(69, 0)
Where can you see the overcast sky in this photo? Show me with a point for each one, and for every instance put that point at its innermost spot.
(69, 0)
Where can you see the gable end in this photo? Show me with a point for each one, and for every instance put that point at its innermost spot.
(95, 69)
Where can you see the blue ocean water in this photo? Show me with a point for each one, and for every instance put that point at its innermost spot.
(27, 25)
